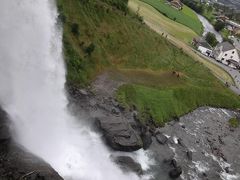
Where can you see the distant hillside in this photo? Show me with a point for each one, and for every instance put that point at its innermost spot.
(235, 4)
(162, 81)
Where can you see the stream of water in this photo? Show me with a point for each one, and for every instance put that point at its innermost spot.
(32, 77)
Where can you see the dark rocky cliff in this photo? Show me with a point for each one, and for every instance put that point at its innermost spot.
(16, 162)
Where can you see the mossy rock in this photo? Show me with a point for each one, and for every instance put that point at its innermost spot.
(234, 122)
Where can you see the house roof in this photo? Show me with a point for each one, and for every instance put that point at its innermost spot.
(177, 3)
(202, 42)
(226, 46)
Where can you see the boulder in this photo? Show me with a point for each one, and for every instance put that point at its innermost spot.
(171, 162)
(189, 155)
(146, 139)
(118, 134)
(162, 139)
(175, 173)
(181, 143)
(126, 163)
(115, 111)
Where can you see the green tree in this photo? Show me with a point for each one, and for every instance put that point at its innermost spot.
(90, 49)
(75, 29)
(211, 39)
(219, 25)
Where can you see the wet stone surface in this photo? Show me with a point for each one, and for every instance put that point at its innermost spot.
(206, 148)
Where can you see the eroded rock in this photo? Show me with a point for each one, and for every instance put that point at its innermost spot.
(128, 164)
(175, 173)
(119, 134)
(162, 139)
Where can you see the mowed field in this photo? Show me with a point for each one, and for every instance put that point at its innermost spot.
(186, 16)
(167, 25)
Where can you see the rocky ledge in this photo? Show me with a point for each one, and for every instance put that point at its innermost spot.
(17, 163)
(119, 134)
(199, 145)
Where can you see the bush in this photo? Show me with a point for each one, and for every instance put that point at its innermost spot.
(211, 39)
(234, 122)
(90, 49)
(75, 29)
(219, 25)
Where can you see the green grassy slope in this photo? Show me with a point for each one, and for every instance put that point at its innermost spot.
(186, 16)
(108, 37)
(153, 16)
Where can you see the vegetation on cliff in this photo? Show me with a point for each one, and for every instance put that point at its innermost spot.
(162, 81)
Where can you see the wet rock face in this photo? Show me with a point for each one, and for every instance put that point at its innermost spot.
(16, 163)
(4, 130)
(128, 164)
(162, 139)
(206, 148)
(119, 134)
(175, 173)
(147, 139)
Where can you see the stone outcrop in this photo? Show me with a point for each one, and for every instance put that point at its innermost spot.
(119, 134)
(16, 162)
(126, 163)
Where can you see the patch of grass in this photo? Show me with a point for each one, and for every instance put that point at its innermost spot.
(186, 16)
(153, 16)
(234, 122)
(107, 36)
(225, 33)
(163, 104)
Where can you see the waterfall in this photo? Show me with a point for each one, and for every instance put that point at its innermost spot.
(32, 77)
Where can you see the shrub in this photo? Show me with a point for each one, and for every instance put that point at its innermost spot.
(219, 25)
(211, 39)
(90, 49)
(234, 122)
(75, 29)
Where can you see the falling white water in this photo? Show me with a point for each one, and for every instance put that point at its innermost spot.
(32, 78)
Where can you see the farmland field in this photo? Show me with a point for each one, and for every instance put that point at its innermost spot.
(186, 16)
(167, 25)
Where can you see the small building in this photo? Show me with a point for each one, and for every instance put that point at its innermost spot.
(236, 31)
(227, 54)
(177, 4)
(222, 18)
(203, 46)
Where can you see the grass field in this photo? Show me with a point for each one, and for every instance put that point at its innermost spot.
(167, 25)
(101, 34)
(186, 16)
(177, 34)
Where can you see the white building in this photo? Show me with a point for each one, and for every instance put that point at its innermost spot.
(227, 54)
(203, 46)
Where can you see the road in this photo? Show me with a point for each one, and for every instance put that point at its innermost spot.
(235, 74)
